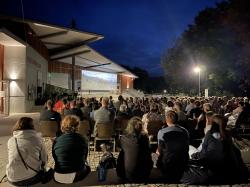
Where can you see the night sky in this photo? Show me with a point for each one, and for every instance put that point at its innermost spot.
(136, 32)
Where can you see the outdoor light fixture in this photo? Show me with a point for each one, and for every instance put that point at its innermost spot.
(198, 70)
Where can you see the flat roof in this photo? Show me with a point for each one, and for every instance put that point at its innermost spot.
(90, 59)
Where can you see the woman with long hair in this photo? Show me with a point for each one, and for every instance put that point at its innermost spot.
(234, 169)
(219, 160)
(134, 161)
(27, 155)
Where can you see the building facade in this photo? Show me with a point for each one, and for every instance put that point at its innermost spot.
(32, 55)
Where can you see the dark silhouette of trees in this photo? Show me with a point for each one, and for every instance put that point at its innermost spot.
(147, 83)
(219, 42)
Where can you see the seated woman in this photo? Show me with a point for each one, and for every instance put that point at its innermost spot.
(70, 152)
(134, 161)
(27, 154)
(219, 159)
(234, 169)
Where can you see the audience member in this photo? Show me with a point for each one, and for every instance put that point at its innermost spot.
(74, 110)
(70, 151)
(27, 154)
(103, 115)
(49, 114)
(152, 115)
(134, 161)
(173, 146)
(196, 111)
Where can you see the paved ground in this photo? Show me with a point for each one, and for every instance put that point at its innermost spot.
(7, 122)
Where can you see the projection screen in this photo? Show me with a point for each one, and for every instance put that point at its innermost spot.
(93, 80)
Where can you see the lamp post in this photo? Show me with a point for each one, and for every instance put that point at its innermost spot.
(198, 70)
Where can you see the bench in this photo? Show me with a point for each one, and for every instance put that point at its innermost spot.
(111, 179)
(92, 180)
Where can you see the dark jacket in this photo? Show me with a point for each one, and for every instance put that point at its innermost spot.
(134, 161)
(50, 115)
(234, 170)
(70, 153)
(195, 112)
(74, 111)
(173, 148)
(211, 155)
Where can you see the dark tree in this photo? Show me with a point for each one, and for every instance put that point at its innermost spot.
(219, 42)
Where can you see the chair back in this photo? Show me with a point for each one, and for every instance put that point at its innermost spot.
(154, 127)
(104, 130)
(48, 128)
(84, 128)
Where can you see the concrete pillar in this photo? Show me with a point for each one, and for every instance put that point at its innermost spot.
(73, 73)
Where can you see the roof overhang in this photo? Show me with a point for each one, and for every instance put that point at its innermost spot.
(57, 38)
(8, 39)
(90, 59)
(64, 43)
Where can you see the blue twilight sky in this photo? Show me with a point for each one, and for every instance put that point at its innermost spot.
(136, 32)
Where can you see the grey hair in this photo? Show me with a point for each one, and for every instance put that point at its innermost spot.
(123, 108)
(105, 100)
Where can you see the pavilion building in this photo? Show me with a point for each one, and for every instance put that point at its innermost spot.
(34, 55)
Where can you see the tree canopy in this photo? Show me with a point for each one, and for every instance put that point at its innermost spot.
(219, 42)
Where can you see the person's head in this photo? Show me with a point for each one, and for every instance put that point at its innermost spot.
(192, 100)
(178, 106)
(171, 118)
(207, 107)
(64, 101)
(70, 124)
(209, 117)
(153, 108)
(219, 125)
(170, 104)
(197, 103)
(49, 104)
(65, 96)
(24, 123)
(123, 108)
(105, 101)
(73, 104)
(120, 98)
(241, 104)
(134, 126)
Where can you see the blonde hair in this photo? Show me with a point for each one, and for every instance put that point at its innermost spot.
(207, 107)
(70, 123)
(135, 126)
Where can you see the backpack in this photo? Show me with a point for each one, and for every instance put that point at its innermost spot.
(108, 161)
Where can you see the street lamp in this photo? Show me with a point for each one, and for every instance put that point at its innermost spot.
(198, 70)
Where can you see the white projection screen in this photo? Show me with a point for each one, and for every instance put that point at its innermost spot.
(93, 80)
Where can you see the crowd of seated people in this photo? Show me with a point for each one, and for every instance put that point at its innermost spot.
(214, 160)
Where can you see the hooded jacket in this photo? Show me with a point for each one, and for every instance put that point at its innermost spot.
(33, 152)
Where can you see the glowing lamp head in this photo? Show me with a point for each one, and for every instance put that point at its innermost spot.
(197, 70)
